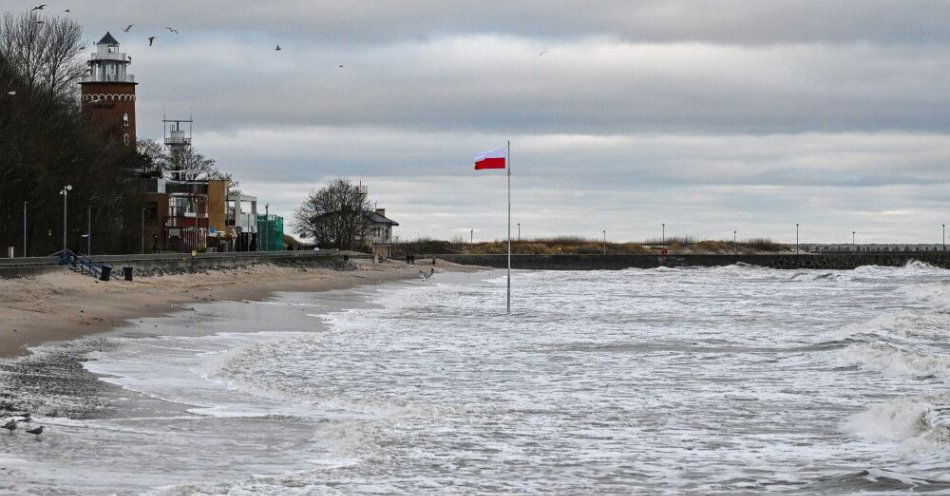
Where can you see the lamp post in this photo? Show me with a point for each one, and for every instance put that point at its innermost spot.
(89, 231)
(266, 224)
(519, 231)
(944, 226)
(735, 248)
(796, 238)
(605, 243)
(24, 227)
(471, 237)
(65, 192)
(663, 233)
(143, 230)
(853, 245)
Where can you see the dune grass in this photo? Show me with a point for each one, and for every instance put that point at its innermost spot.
(576, 245)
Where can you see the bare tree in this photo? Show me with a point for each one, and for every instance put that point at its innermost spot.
(335, 216)
(189, 165)
(45, 51)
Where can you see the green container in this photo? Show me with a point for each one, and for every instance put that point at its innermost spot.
(270, 233)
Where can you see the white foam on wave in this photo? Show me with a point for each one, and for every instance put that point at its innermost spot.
(894, 360)
(912, 424)
(895, 420)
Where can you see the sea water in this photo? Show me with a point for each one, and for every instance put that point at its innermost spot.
(724, 380)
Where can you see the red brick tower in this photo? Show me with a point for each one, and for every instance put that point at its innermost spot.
(108, 92)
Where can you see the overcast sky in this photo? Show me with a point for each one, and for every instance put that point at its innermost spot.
(707, 116)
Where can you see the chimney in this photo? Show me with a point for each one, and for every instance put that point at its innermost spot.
(381, 211)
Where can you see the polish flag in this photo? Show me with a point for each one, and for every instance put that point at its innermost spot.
(493, 159)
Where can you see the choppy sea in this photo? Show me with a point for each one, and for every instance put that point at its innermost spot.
(730, 380)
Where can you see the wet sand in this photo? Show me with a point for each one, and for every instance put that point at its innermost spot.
(65, 305)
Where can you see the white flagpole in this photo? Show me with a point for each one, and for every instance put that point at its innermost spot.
(508, 164)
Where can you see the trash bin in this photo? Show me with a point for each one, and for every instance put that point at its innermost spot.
(127, 272)
(106, 272)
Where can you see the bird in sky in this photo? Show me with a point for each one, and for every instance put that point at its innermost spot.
(39, 22)
(38, 7)
(277, 49)
(543, 52)
(127, 28)
(173, 30)
(151, 39)
(341, 66)
(10, 425)
(68, 11)
(36, 431)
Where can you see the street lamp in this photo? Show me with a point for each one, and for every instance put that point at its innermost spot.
(24, 227)
(796, 238)
(735, 248)
(605, 243)
(519, 231)
(266, 225)
(944, 226)
(65, 192)
(853, 246)
(663, 235)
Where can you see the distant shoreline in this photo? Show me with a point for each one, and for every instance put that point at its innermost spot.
(823, 261)
(64, 305)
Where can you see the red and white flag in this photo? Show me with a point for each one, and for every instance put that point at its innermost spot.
(492, 159)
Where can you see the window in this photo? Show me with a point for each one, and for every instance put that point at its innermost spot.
(125, 139)
(151, 212)
(125, 120)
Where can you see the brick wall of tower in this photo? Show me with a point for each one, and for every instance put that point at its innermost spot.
(106, 104)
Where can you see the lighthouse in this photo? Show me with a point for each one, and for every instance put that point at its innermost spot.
(108, 92)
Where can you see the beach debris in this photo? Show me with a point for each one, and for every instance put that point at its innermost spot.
(36, 431)
(10, 425)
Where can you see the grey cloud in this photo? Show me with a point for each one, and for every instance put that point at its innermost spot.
(661, 21)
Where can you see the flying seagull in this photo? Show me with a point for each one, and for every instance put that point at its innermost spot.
(127, 28)
(173, 30)
(426, 275)
(36, 431)
(68, 11)
(543, 52)
(39, 22)
(341, 66)
(38, 7)
(151, 39)
(10, 425)
(277, 49)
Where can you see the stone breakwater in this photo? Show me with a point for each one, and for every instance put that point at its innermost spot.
(830, 261)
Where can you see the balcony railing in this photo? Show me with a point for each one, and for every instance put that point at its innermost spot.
(108, 78)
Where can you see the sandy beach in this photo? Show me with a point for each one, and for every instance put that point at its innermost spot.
(64, 305)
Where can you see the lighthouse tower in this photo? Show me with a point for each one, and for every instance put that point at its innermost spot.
(108, 92)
